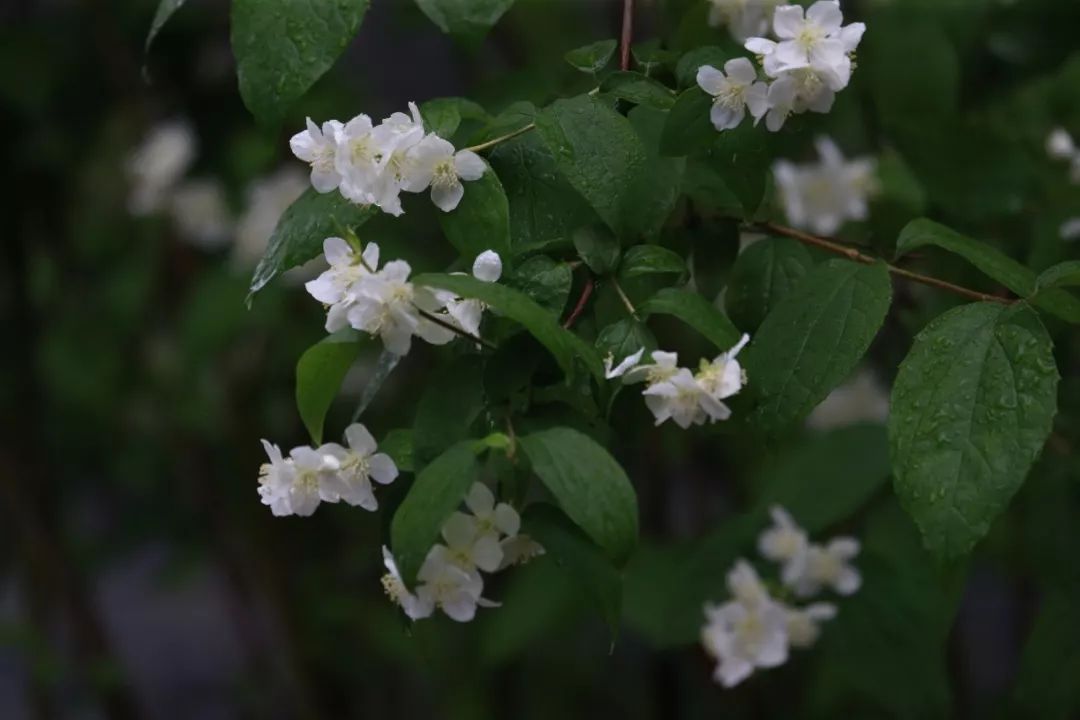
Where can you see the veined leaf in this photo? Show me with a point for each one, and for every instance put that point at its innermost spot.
(695, 311)
(319, 374)
(469, 19)
(764, 274)
(592, 58)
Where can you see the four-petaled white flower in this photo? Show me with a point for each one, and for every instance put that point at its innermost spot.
(318, 147)
(786, 543)
(433, 163)
(829, 566)
(734, 90)
(158, 164)
(357, 466)
(682, 398)
(446, 585)
(746, 633)
(823, 197)
(488, 517)
(334, 287)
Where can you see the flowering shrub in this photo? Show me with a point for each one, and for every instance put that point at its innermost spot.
(577, 230)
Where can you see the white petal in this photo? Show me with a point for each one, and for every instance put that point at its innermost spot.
(487, 553)
(468, 165)
(711, 80)
(337, 251)
(826, 14)
(757, 100)
(480, 499)
(787, 21)
(848, 581)
(359, 439)
(459, 530)
(741, 69)
(724, 118)
(507, 519)
(460, 607)
(446, 197)
(487, 266)
(382, 468)
(732, 671)
(851, 35)
(760, 46)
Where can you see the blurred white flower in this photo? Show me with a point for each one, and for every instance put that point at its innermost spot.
(157, 165)
(743, 18)
(489, 517)
(785, 542)
(746, 633)
(1060, 145)
(803, 624)
(267, 200)
(445, 585)
(396, 590)
(201, 213)
(862, 399)
(518, 550)
(824, 196)
(828, 566)
(1070, 229)
(468, 548)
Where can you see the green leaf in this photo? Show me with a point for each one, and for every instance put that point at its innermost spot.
(764, 274)
(398, 444)
(543, 205)
(638, 89)
(1060, 275)
(437, 492)
(814, 338)
(650, 56)
(742, 159)
(481, 221)
(972, 405)
(589, 485)
(592, 58)
(656, 189)
(165, 10)
(319, 374)
(452, 400)
(442, 116)
(545, 281)
(695, 311)
(598, 152)
(992, 262)
(580, 558)
(651, 260)
(1046, 681)
(283, 46)
(714, 246)
(598, 247)
(687, 67)
(301, 230)
(562, 344)
(688, 127)
(467, 19)
(624, 338)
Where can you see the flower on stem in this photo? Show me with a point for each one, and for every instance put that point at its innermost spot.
(824, 196)
(803, 624)
(433, 163)
(828, 566)
(357, 466)
(333, 287)
(734, 90)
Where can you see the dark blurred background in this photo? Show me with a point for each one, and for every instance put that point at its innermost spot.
(140, 576)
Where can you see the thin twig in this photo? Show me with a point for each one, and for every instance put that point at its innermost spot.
(856, 256)
(625, 300)
(586, 292)
(455, 329)
(502, 138)
(627, 34)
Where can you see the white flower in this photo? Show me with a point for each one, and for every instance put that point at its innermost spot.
(358, 159)
(785, 542)
(444, 584)
(863, 399)
(733, 91)
(318, 148)
(682, 398)
(357, 466)
(518, 550)
(803, 623)
(467, 312)
(747, 633)
(663, 367)
(296, 485)
(743, 18)
(158, 163)
(334, 287)
(822, 197)
(815, 40)
(394, 585)
(201, 212)
(388, 305)
(724, 377)
(1060, 145)
(488, 517)
(433, 163)
(828, 566)
(267, 200)
(628, 363)
(467, 547)
(394, 137)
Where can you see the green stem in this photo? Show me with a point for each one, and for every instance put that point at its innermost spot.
(454, 328)
(625, 300)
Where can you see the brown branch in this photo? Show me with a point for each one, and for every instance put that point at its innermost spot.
(627, 34)
(853, 254)
(586, 293)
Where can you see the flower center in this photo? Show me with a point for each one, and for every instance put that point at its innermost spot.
(444, 174)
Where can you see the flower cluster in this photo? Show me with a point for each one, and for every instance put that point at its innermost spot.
(743, 18)
(383, 302)
(675, 393)
(295, 485)
(804, 67)
(755, 629)
(484, 539)
(1061, 146)
(822, 197)
(371, 164)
